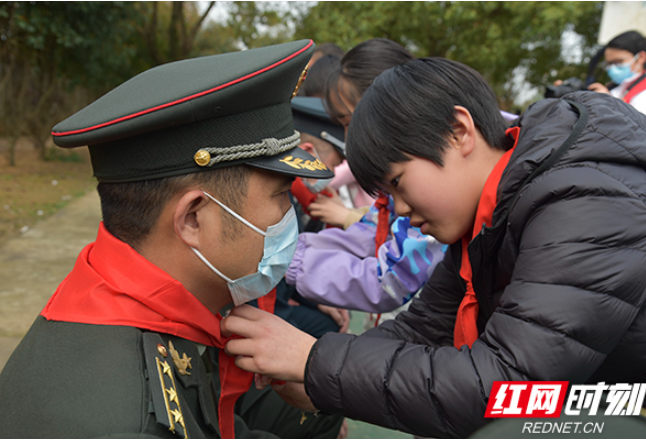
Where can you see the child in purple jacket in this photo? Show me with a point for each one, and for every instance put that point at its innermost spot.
(339, 268)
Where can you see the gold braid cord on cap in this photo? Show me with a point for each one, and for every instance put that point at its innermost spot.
(266, 147)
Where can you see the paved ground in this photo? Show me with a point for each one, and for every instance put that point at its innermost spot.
(32, 266)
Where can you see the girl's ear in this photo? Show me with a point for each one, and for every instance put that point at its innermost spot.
(641, 60)
(187, 215)
(464, 130)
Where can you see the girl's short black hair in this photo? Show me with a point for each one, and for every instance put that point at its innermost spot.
(409, 109)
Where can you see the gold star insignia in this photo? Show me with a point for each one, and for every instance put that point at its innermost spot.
(172, 396)
(179, 418)
(166, 368)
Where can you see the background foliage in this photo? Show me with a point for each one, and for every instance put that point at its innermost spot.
(55, 57)
(495, 38)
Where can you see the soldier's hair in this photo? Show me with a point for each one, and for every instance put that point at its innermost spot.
(130, 210)
(359, 67)
(409, 109)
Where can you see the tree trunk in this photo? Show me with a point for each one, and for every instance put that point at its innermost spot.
(11, 152)
(174, 33)
(39, 145)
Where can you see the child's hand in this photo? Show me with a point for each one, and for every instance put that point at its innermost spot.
(340, 316)
(269, 345)
(330, 210)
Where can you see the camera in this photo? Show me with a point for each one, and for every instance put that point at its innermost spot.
(569, 85)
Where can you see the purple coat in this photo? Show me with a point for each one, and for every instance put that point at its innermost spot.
(339, 268)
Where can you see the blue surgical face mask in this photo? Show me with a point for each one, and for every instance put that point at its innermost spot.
(618, 73)
(279, 248)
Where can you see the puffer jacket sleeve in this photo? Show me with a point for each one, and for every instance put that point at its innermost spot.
(579, 234)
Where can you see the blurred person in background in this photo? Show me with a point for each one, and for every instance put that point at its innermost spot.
(625, 57)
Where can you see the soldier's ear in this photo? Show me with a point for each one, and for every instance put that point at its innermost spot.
(189, 215)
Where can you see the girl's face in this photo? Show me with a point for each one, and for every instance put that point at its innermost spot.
(440, 200)
(618, 57)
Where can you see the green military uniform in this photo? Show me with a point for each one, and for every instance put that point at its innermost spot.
(122, 349)
(82, 381)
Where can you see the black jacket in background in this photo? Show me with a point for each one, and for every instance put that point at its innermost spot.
(561, 289)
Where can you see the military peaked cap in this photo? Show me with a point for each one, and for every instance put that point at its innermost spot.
(310, 117)
(198, 114)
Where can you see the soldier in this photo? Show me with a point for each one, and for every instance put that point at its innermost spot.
(194, 161)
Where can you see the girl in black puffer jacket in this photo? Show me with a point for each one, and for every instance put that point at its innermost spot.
(544, 279)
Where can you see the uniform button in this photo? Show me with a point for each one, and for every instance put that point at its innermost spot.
(202, 158)
(162, 350)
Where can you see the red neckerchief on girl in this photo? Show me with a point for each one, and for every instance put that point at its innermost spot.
(466, 329)
(383, 228)
(111, 284)
(638, 86)
(303, 194)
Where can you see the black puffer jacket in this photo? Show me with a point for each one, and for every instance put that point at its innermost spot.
(560, 279)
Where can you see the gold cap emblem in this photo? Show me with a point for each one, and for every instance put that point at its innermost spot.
(202, 158)
(182, 364)
(300, 80)
(301, 164)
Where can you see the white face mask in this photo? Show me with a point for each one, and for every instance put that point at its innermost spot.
(317, 186)
(278, 251)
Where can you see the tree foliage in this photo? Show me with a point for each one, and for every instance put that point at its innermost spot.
(56, 56)
(86, 42)
(495, 38)
(50, 47)
(170, 29)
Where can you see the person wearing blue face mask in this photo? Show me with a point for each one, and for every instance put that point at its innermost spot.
(278, 250)
(625, 57)
(194, 160)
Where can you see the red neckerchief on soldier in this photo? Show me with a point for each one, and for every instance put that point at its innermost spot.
(111, 284)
